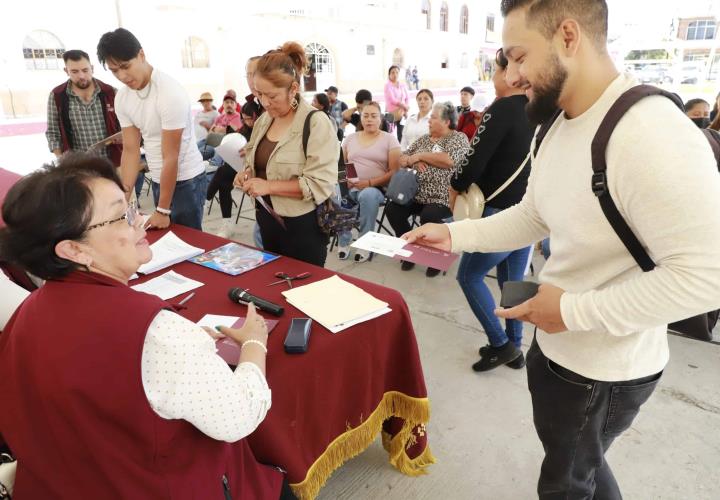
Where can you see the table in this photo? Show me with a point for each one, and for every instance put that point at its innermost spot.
(329, 404)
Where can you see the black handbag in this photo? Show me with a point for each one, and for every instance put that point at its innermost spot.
(331, 217)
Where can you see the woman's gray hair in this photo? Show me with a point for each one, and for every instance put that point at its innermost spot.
(447, 112)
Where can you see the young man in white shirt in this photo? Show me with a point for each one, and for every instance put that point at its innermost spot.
(601, 342)
(154, 107)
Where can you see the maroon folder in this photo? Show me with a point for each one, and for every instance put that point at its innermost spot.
(430, 257)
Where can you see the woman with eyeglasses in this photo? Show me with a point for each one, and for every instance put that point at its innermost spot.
(435, 156)
(292, 182)
(107, 391)
(498, 150)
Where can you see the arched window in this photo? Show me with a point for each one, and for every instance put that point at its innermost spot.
(321, 68)
(195, 53)
(444, 17)
(426, 10)
(398, 58)
(42, 50)
(464, 19)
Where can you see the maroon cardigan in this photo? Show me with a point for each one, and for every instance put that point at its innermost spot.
(76, 415)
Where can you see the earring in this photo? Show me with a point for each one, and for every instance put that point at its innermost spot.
(294, 103)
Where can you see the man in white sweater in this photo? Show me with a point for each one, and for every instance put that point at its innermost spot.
(601, 341)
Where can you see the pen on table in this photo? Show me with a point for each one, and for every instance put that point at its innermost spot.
(183, 301)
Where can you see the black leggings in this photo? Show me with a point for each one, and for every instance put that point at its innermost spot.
(222, 181)
(302, 240)
(398, 215)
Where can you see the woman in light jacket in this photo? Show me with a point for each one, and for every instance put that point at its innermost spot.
(290, 182)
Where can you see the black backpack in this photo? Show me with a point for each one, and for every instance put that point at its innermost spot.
(698, 327)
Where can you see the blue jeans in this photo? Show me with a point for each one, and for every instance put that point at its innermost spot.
(187, 202)
(257, 237)
(368, 200)
(471, 276)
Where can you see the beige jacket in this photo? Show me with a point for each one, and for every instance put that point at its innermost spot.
(318, 173)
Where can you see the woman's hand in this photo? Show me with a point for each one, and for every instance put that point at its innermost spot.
(404, 161)
(254, 328)
(256, 186)
(420, 166)
(241, 177)
(359, 184)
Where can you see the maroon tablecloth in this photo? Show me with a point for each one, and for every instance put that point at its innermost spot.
(330, 403)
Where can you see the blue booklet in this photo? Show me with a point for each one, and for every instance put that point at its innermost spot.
(234, 259)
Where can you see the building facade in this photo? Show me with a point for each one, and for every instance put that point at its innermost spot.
(351, 45)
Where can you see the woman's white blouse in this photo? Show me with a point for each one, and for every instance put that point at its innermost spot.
(414, 128)
(184, 378)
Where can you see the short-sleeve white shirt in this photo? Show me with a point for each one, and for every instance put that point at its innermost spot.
(165, 105)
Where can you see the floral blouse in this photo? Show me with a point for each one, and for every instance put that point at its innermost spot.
(434, 183)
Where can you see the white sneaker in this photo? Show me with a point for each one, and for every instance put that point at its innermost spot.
(343, 253)
(227, 229)
(361, 256)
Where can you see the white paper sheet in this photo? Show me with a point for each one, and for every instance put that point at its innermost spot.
(384, 244)
(168, 251)
(168, 285)
(213, 320)
(229, 150)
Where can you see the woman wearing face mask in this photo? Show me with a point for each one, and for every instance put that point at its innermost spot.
(397, 100)
(417, 124)
(496, 153)
(290, 182)
(121, 384)
(698, 110)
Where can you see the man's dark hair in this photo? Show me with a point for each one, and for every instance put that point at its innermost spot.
(75, 55)
(546, 16)
(119, 45)
(694, 102)
(48, 206)
(363, 95)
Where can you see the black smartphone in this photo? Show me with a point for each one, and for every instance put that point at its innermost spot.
(298, 336)
(516, 292)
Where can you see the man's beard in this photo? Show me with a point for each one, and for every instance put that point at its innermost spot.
(82, 85)
(546, 94)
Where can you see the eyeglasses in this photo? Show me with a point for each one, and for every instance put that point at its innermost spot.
(130, 216)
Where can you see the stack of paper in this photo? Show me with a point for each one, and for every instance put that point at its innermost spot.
(168, 251)
(335, 303)
(168, 285)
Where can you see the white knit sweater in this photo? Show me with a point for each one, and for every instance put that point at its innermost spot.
(664, 180)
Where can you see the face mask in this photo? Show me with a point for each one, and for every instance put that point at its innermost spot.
(701, 122)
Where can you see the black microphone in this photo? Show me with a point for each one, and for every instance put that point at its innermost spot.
(241, 296)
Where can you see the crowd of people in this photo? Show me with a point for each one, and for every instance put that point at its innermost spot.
(76, 228)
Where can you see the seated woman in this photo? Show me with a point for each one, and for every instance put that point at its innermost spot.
(416, 124)
(375, 155)
(225, 123)
(322, 102)
(435, 156)
(222, 180)
(127, 399)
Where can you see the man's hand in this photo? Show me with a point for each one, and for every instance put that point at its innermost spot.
(157, 221)
(543, 310)
(431, 235)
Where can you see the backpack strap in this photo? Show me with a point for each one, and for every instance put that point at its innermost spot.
(599, 166)
(306, 130)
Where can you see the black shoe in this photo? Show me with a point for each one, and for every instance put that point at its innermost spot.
(517, 363)
(496, 356)
(431, 272)
(407, 265)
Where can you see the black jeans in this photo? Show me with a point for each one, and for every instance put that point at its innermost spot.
(222, 181)
(302, 240)
(577, 419)
(398, 215)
